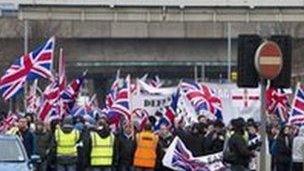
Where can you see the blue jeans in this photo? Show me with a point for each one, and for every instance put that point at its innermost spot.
(238, 168)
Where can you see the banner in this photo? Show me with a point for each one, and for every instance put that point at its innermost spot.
(178, 157)
(151, 103)
(238, 102)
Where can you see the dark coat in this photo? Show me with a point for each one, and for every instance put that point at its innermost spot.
(283, 150)
(125, 150)
(28, 141)
(238, 146)
(214, 142)
(163, 144)
(43, 143)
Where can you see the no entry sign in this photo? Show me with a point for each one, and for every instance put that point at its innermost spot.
(269, 60)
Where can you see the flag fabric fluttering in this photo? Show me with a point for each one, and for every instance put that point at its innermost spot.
(30, 66)
(50, 107)
(155, 82)
(8, 122)
(121, 106)
(111, 96)
(178, 157)
(69, 94)
(202, 98)
(32, 98)
(297, 109)
(277, 103)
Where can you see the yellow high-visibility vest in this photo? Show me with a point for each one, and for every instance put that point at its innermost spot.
(102, 150)
(66, 142)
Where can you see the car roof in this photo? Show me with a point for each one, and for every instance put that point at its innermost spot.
(8, 137)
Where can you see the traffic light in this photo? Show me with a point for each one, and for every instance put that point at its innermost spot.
(247, 75)
(284, 78)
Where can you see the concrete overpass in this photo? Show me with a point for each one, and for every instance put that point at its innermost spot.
(111, 32)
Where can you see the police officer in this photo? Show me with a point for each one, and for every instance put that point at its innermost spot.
(146, 149)
(66, 141)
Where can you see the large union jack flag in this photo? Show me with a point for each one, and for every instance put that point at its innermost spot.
(277, 103)
(297, 109)
(31, 66)
(202, 98)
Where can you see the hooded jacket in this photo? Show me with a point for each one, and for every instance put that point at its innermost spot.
(298, 147)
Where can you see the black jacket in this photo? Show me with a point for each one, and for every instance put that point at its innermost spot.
(43, 143)
(283, 150)
(214, 142)
(163, 144)
(238, 146)
(28, 141)
(125, 150)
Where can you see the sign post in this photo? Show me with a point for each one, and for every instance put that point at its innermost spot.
(268, 63)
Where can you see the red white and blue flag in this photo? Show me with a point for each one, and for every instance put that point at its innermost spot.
(69, 94)
(202, 98)
(178, 157)
(32, 98)
(30, 66)
(121, 106)
(297, 108)
(277, 103)
(8, 122)
(50, 106)
(111, 96)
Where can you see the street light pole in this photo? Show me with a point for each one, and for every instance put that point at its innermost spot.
(25, 51)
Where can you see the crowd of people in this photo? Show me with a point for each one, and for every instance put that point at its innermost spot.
(77, 143)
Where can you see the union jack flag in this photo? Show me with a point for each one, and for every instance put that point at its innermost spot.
(70, 93)
(297, 109)
(203, 98)
(183, 159)
(121, 105)
(50, 108)
(277, 103)
(29, 67)
(140, 118)
(111, 96)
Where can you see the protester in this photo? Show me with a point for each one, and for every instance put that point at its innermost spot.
(66, 139)
(283, 146)
(165, 139)
(298, 151)
(102, 148)
(126, 148)
(27, 137)
(146, 149)
(239, 147)
(43, 144)
(193, 140)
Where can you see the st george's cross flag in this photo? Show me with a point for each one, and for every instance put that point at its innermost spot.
(30, 66)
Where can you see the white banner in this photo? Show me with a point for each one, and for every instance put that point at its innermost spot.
(151, 103)
(178, 157)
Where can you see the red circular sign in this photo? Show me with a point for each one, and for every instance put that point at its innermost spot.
(269, 60)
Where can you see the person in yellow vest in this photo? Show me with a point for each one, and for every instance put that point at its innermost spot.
(67, 138)
(146, 150)
(102, 148)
